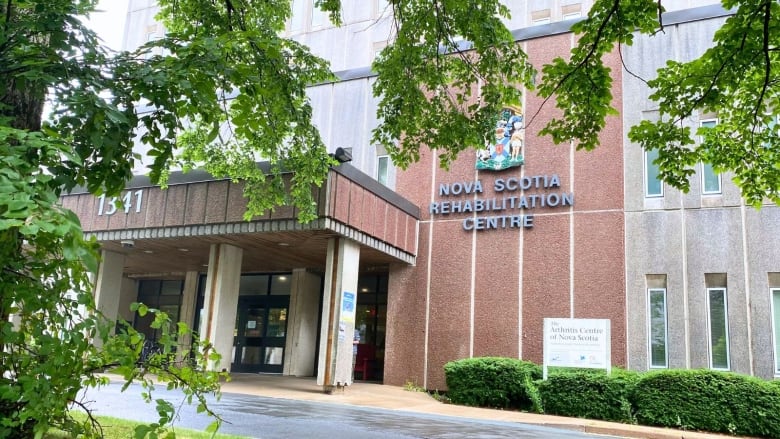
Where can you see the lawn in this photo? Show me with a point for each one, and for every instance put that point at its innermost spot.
(114, 428)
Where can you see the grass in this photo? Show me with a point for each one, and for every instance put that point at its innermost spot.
(114, 428)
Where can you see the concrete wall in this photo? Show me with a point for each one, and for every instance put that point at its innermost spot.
(687, 236)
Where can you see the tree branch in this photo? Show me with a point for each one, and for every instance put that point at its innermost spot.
(612, 11)
(625, 67)
(767, 62)
(8, 14)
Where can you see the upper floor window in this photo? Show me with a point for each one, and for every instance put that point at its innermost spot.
(653, 185)
(382, 169)
(540, 17)
(381, 8)
(319, 18)
(710, 180)
(298, 15)
(569, 12)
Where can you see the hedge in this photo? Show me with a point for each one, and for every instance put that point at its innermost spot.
(707, 400)
(589, 394)
(493, 382)
(721, 402)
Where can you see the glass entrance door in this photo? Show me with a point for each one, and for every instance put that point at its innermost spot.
(261, 329)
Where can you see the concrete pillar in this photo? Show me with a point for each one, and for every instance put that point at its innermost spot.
(219, 308)
(108, 286)
(301, 344)
(127, 295)
(338, 314)
(187, 310)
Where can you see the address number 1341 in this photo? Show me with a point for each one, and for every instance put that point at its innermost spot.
(129, 200)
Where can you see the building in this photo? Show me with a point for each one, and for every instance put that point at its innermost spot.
(446, 265)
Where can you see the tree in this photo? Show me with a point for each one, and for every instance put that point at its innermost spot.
(48, 320)
(226, 89)
(436, 104)
(736, 79)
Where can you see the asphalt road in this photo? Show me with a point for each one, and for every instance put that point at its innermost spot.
(266, 418)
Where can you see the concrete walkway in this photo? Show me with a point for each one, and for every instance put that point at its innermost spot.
(397, 398)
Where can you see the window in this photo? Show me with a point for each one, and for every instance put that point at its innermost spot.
(164, 295)
(657, 333)
(653, 185)
(152, 36)
(776, 326)
(710, 180)
(319, 18)
(377, 47)
(264, 284)
(297, 17)
(382, 169)
(717, 314)
(381, 8)
(569, 12)
(540, 17)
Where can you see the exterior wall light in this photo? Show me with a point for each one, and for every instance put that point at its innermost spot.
(343, 155)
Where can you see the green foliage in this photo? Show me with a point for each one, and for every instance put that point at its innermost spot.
(53, 341)
(736, 79)
(434, 93)
(582, 85)
(708, 400)
(493, 382)
(589, 394)
(215, 51)
(226, 90)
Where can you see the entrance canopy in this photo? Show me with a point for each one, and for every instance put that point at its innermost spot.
(165, 231)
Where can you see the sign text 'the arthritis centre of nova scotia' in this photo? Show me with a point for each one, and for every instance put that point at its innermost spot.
(509, 195)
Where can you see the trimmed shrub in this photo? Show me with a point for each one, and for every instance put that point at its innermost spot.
(589, 394)
(720, 402)
(493, 382)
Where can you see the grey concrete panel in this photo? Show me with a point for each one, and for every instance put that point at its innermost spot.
(348, 128)
(763, 244)
(714, 245)
(681, 42)
(654, 246)
(321, 97)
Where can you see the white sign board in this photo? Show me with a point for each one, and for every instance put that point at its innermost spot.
(577, 343)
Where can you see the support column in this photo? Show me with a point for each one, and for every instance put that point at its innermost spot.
(338, 314)
(127, 295)
(219, 309)
(187, 311)
(301, 344)
(108, 286)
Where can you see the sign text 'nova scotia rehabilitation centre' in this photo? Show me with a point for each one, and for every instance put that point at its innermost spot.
(499, 211)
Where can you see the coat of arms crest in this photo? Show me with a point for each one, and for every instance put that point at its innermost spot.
(505, 151)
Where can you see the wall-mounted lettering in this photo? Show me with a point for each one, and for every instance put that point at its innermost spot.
(522, 193)
(129, 199)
